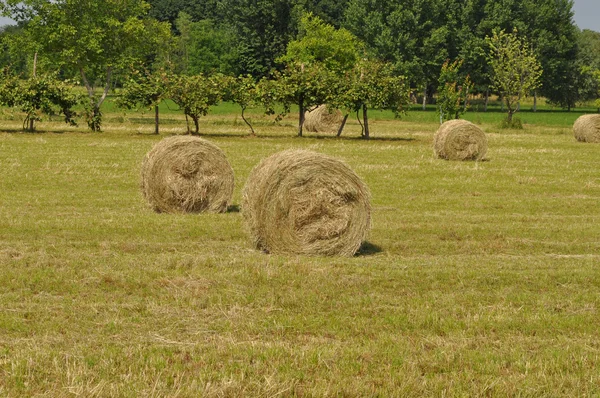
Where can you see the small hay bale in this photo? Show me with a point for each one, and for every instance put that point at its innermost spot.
(322, 120)
(185, 174)
(302, 202)
(460, 140)
(587, 128)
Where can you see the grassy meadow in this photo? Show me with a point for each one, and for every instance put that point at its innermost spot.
(478, 279)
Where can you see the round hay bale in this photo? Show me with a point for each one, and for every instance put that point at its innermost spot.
(460, 140)
(587, 128)
(322, 120)
(302, 202)
(185, 174)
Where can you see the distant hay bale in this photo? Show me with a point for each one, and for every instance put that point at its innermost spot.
(587, 128)
(302, 202)
(185, 174)
(460, 140)
(322, 120)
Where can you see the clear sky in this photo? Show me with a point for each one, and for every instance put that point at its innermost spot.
(587, 14)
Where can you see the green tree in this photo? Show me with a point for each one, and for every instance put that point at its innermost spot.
(337, 50)
(370, 85)
(515, 69)
(195, 95)
(306, 86)
(145, 89)
(94, 38)
(37, 96)
(262, 31)
(453, 91)
(243, 91)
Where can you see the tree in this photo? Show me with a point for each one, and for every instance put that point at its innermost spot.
(262, 31)
(370, 85)
(195, 95)
(319, 57)
(515, 69)
(243, 91)
(453, 91)
(146, 89)
(94, 38)
(38, 95)
(305, 86)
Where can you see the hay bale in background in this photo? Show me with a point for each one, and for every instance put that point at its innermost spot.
(587, 128)
(302, 202)
(322, 120)
(460, 140)
(187, 174)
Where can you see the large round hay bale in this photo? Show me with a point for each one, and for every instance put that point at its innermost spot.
(323, 120)
(587, 128)
(187, 174)
(460, 140)
(302, 202)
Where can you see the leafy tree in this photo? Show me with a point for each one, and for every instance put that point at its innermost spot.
(337, 50)
(95, 38)
(453, 91)
(195, 95)
(370, 85)
(243, 91)
(146, 89)
(39, 95)
(515, 69)
(305, 86)
(262, 31)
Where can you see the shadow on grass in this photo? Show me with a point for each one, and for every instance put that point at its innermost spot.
(233, 209)
(368, 249)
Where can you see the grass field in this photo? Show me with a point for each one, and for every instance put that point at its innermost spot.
(478, 279)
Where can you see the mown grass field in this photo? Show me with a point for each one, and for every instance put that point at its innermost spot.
(478, 279)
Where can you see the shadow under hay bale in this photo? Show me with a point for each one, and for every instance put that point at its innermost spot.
(185, 174)
(587, 128)
(302, 202)
(322, 120)
(460, 140)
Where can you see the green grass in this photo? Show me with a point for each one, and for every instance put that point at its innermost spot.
(478, 279)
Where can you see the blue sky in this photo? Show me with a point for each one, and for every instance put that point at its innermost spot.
(587, 15)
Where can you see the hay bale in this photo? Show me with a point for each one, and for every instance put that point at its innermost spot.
(322, 120)
(187, 174)
(460, 140)
(302, 202)
(587, 128)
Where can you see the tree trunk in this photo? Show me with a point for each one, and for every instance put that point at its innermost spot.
(535, 101)
(34, 64)
(300, 114)
(425, 97)
(248, 123)
(366, 120)
(95, 116)
(31, 125)
(187, 124)
(487, 100)
(196, 125)
(510, 116)
(339, 133)
(156, 119)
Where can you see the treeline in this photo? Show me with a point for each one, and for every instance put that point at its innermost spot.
(416, 36)
(104, 43)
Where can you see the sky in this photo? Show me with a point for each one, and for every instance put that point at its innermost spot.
(587, 15)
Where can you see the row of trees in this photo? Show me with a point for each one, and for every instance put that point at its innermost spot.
(308, 62)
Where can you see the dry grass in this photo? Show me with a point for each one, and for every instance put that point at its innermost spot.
(303, 202)
(460, 140)
(478, 279)
(187, 174)
(587, 128)
(323, 120)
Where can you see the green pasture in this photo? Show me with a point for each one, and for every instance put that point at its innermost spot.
(477, 279)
